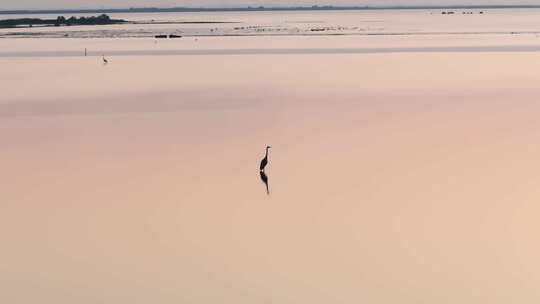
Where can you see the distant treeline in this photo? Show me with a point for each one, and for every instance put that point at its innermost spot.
(60, 21)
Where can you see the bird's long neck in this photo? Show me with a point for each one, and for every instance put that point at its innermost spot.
(266, 153)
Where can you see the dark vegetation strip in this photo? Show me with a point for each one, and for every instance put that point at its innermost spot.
(60, 21)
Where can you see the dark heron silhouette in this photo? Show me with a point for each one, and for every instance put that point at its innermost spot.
(105, 61)
(264, 179)
(264, 161)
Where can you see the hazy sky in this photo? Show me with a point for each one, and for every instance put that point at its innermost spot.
(23, 4)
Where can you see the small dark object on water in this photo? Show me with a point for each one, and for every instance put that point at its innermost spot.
(161, 36)
(264, 179)
(264, 161)
(174, 36)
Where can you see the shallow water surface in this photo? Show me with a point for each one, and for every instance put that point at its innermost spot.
(393, 178)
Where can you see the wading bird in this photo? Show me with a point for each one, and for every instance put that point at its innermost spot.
(264, 161)
(105, 61)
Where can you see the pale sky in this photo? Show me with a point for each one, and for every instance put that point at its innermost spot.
(54, 4)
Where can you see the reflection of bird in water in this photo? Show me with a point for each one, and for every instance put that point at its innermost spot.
(264, 179)
(264, 161)
(105, 61)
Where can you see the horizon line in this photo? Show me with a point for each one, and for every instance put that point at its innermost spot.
(262, 8)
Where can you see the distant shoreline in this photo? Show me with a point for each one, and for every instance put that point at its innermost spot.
(257, 9)
(60, 21)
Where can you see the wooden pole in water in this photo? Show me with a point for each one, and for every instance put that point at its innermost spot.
(84, 52)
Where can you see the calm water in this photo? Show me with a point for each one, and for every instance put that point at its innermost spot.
(393, 177)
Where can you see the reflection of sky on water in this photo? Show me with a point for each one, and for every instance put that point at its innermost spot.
(393, 174)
